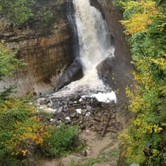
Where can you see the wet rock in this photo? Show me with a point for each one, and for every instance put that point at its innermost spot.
(78, 111)
(74, 72)
(87, 114)
(41, 101)
(53, 121)
(50, 104)
(41, 107)
(47, 98)
(59, 110)
(61, 117)
(50, 110)
(67, 121)
(75, 98)
(65, 106)
(82, 127)
(58, 122)
(113, 116)
(73, 115)
(83, 112)
(77, 115)
(90, 125)
(81, 121)
(88, 108)
(71, 109)
(74, 123)
(97, 119)
(84, 153)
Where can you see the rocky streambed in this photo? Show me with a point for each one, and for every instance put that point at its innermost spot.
(86, 111)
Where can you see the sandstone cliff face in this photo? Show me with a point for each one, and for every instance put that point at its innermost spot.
(47, 51)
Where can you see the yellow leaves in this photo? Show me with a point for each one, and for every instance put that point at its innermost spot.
(145, 99)
(144, 5)
(157, 129)
(146, 77)
(150, 128)
(138, 22)
(24, 152)
(32, 131)
(123, 3)
(137, 122)
(131, 4)
(135, 99)
(161, 62)
(18, 122)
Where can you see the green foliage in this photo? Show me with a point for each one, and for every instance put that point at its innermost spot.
(8, 62)
(113, 154)
(21, 11)
(148, 100)
(61, 140)
(46, 15)
(21, 128)
(90, 162)
(120, 3)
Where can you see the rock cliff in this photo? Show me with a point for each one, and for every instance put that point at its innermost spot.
(49, 51)
(46, 50)
(116, 72)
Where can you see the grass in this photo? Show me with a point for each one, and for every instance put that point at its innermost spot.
(90, 162)
(114, 154)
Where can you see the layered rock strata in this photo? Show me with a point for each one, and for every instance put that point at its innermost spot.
(47, 51)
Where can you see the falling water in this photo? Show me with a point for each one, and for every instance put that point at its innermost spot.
(93, 34)
(95, 46)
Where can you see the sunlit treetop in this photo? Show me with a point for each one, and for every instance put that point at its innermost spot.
(143, 13)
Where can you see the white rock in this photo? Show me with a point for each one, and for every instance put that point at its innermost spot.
(87, 114)
(80, 100)
(30, 103)
(40, 100)
(78, 111)
(105, 97)
(41, 107)
(67, 118)
(50, 110)
(51, 120)
(50, 104)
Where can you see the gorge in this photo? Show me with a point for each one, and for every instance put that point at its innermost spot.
(83, 56)
(95, 45)
(82, 82)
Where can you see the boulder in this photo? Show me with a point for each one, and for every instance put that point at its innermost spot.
(74, 72)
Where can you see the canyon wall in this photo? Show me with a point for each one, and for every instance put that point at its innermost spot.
(47, 51)
(116, 72)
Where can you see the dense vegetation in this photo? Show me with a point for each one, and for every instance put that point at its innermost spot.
(23, 131)
(145, 25)
(23, 11)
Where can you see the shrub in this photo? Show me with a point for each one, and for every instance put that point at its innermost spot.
(22, 131)
(147, 102)
(60, 141)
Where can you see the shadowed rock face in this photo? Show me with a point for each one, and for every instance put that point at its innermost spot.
(116, 72)
(47, 51)
(74, 72)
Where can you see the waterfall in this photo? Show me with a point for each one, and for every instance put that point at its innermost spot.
(94, 46)
(93, 34)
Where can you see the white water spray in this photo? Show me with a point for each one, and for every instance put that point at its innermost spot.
(93, 34)
(95, 46)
